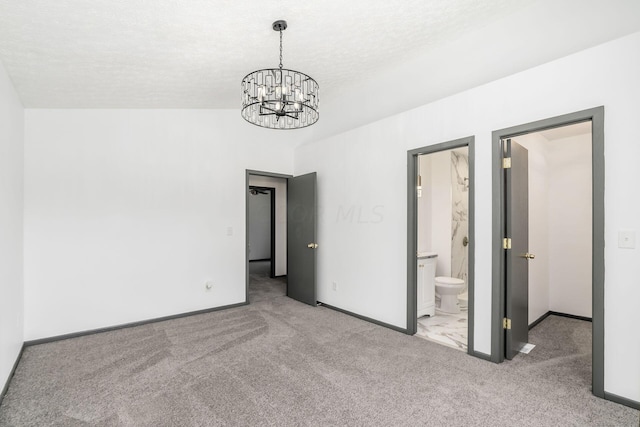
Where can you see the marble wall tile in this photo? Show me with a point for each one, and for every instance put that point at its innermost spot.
(460, 213)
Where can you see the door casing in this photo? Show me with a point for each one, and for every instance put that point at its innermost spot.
(412, 233)
(596, 116)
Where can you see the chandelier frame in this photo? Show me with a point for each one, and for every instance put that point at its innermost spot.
(279, 98)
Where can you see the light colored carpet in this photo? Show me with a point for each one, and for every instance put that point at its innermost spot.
(278, 362)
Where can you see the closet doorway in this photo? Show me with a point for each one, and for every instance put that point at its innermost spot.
(521, 176)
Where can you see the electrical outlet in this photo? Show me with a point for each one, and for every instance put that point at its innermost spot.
(335, 286)
(208, 286)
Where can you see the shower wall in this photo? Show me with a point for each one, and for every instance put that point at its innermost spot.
(460, 213)
(434, 209)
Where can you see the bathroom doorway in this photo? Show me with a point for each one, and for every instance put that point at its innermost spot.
(548, 239)
(440, 226)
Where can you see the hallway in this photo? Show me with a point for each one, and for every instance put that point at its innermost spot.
(261, 286)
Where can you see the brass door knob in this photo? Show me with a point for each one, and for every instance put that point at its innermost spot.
(529, 256)
(312, 246)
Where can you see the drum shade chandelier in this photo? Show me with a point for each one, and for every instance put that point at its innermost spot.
(278, 98)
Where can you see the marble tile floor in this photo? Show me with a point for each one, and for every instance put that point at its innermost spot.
(443, 328)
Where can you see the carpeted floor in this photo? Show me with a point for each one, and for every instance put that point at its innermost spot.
(278, 362)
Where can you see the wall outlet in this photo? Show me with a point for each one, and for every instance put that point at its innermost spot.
(334, 286)
(208, 286)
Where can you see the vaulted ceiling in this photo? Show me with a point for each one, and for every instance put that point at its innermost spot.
(194, 53)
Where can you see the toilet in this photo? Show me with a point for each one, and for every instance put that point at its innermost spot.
(448, 288)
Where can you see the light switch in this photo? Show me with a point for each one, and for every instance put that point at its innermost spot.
(627, 239)
(229, 231)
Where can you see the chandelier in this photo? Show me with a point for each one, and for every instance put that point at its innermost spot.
(278, 98)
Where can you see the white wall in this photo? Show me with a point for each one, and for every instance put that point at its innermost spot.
(280, 184)
(127, 213)
(539, 214)
(570, 233)
(424, 206)
(435, 209)
(11, 210)
(560, 277)
(369, 256)
(259, 226)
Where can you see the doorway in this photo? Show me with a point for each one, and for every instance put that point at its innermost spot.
(560, 221)
(436, 209)
(512, 254)
(266, 228)
(262, 228)
(294, 243)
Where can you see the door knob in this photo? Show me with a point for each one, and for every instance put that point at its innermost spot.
(465, 241)
(529, 256)
(312, 246)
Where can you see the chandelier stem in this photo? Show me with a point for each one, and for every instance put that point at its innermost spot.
(281, 49)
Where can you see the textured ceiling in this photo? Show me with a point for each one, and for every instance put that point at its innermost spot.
(193, 53)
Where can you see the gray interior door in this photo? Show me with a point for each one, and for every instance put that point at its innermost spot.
(301, 238)
(517, 228)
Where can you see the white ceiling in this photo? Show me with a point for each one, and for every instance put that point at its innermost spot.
(567, 131)
(194, 53)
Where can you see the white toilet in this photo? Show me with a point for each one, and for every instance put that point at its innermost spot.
(448, 288)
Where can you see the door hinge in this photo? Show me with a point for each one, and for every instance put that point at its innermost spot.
(506, 323)
(506, 163)
(506, 243)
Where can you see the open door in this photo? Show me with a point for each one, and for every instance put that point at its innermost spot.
(301, 238)
(516, 247)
